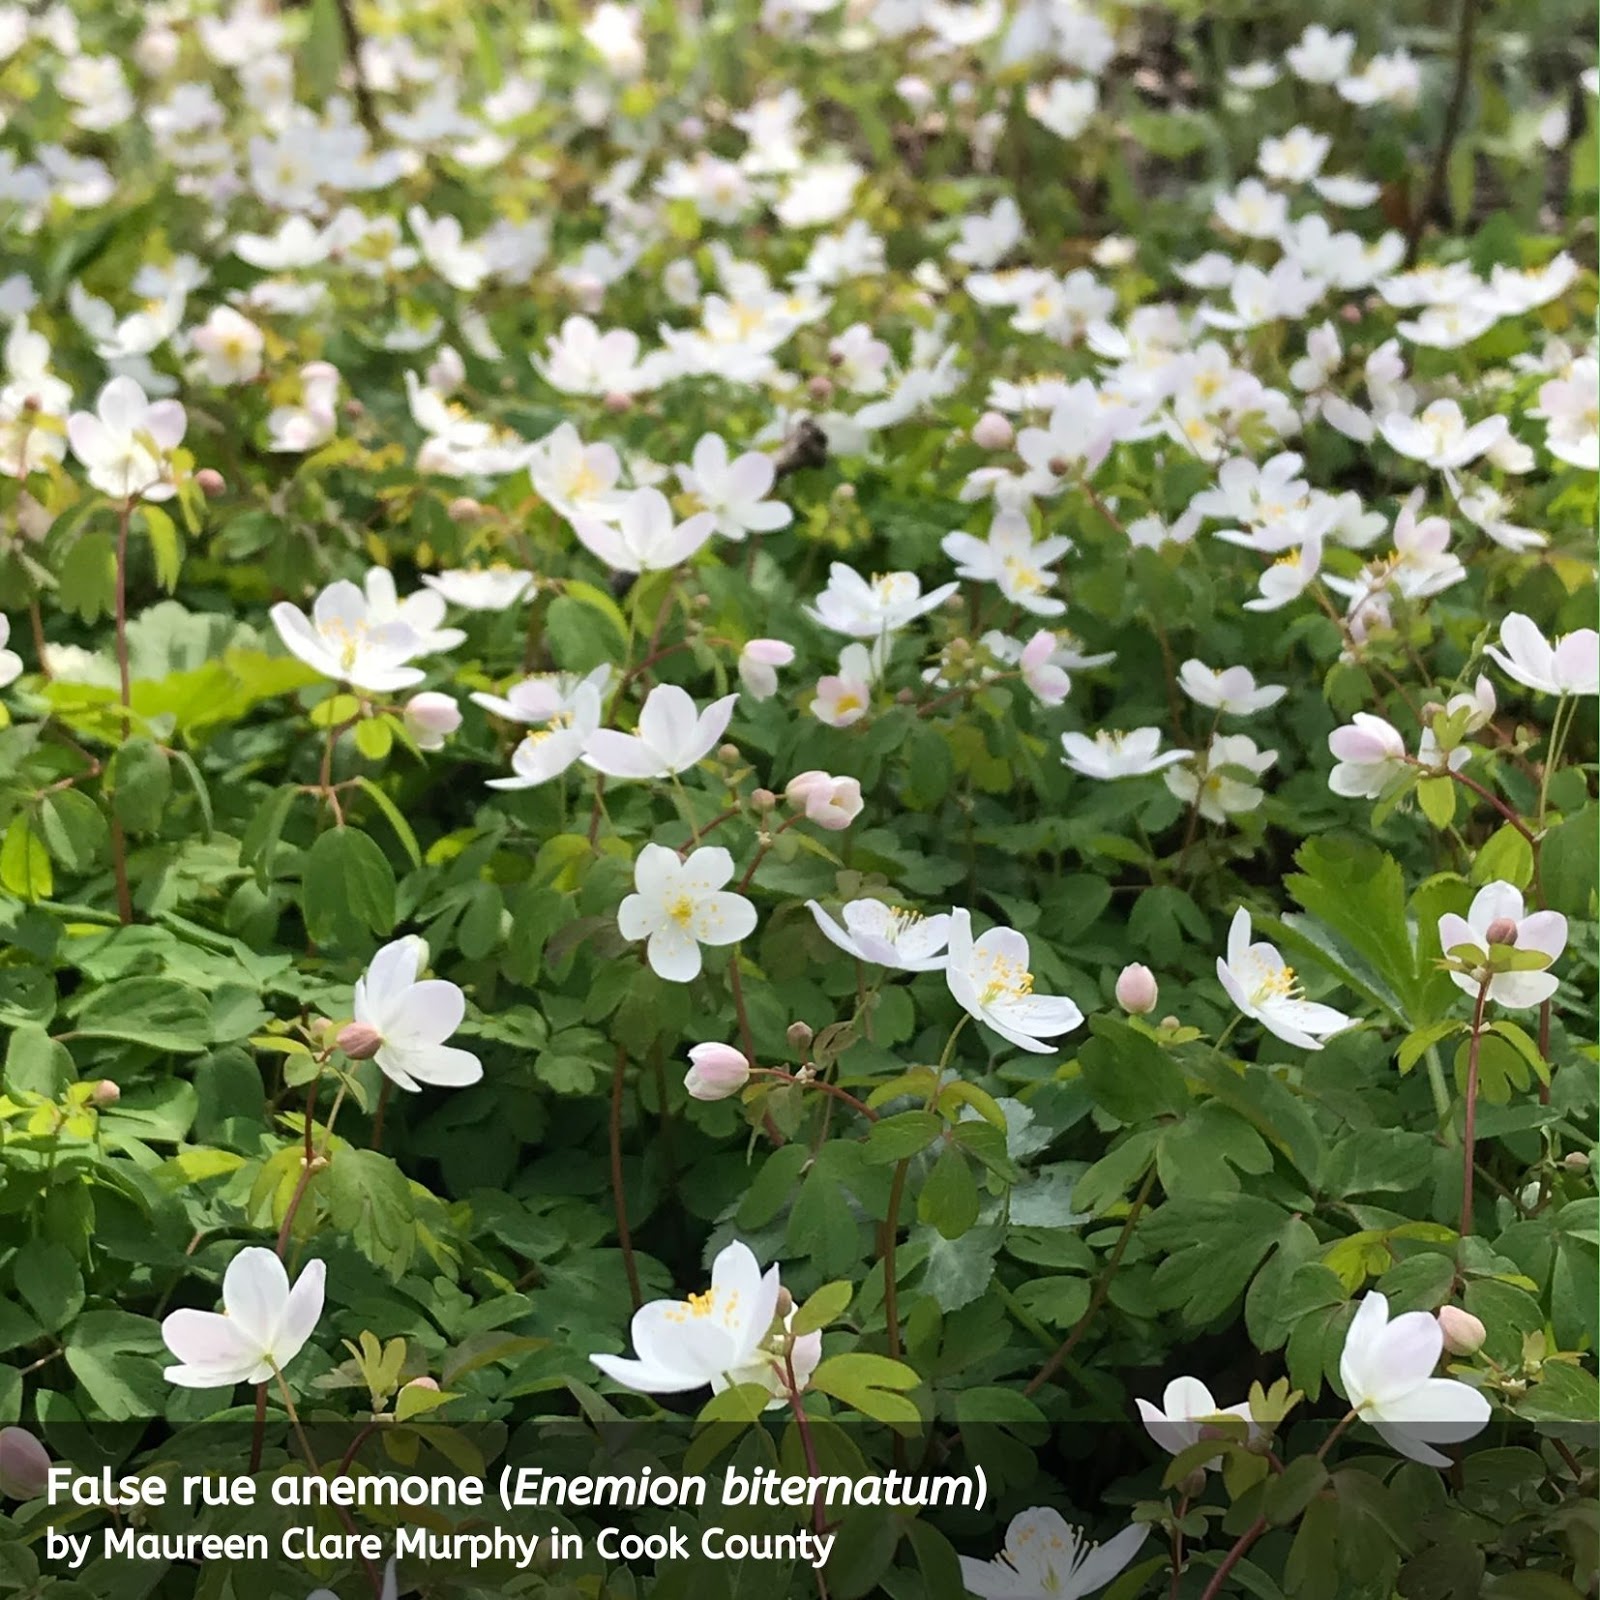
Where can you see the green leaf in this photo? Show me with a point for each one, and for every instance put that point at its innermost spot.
(150, 1011)
(1506, 856)
(25, 861)
(395, 818)
(1437, 797)
(1129, 1074)
(347, 889)
(259, 845)
(873, 1385)
(113, 1354)
(369, 1199)
(49, 1282)
(894, 1138)
(1293, 1489)
(74, 829)
(948, 1199)
(140, 781)
(1570, 862)
(824, 1306)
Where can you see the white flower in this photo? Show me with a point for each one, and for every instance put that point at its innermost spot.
(1213, 788)
(723, 1335)
(734, 492)
(125, 441)
(1386, 1368)
(845, 697)
(422, 612)
(412, 1018)
(547, 752)
(1229, 689)
(670, 738)
(486, 589)
(1296, 157)
(1047, 1559)
(990, 981)
(263, 1326)
(230, 347)
(832, 803)
(463, 266)
(1572, 412)
(1569, 665)
(987, 237)
(545, 695)
(573, 478)
(1064, 105)
(1113, 754)
(1288, 577)
(295, 429)
(1371, 754)
(868, 610)
(1320, 56)
(679, 905)
(1544, 932)
(1440, 437)
(10, 661)
(1011, 560)
(343, 642)
(758, 664)
(887, 936)
(1265, 989)
(430, 719)
(645, 536)
(582, 360)
(1186, 1406)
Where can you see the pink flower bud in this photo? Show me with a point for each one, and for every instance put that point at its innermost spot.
(716, 1071)
(430, 717)
(802, 783)
(24, 1465)
(617, 403)
(1136, 990)
(427, 1383)
(993, 432)
(464, 509)
(820, 389)
(105, 1093)
(835, 805)
(799, 1035)
(1501, 931)
(1463, 1333)
(758, 664)
(359, 1040)
(211, 483)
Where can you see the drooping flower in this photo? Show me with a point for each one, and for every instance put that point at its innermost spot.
(1386, 1368)
(1186, 1406)
(263, 1325)
(990, 980)
(1496, 918)
(1233, 690)
(1568, 665)
(887, 936)
(10, 661)
(1045, 1558)
(759, 661)
(869, 609)
(341, 640)
(671, 736)
(830, 802)
(721, 1336)
(1264, 988)
(412, 1017)
(645, 536)
(431, 718)
(546, 752)
(679, 905)
(1370, 754)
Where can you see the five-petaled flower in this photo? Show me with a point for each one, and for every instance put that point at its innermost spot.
(679, 905)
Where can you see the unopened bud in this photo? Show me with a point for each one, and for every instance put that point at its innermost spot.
(430, 718)
(430, 1384)
(1136, 990)
(24, 1465)
(763, 800)
(618, 403)
(1171, 1024)
(211, 483)
(1058, 466)
(464, 509)
(785, 1302)
(105, 1093)
(1431, 710)
(728, 754)
(1575, 1161)
(716, 1071)
(354, 409)
(1194, 1485)
(1463, 1333)
(905, 697)
(1351, 314)
(799, 1035)
(820, 389)
(992, 431)
(1501, 931)
(359, 1040)
(845, 491)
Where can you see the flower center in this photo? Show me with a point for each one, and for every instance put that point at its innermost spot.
(681, 910)
(1008, 980)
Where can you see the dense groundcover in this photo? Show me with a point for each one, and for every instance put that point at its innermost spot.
(855, 739)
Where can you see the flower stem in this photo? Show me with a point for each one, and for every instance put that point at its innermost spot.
(824, 1087)
(1102, 1288)
(891, 1230)
(1233, 1558)
(619, 1199)
(119, 841)
(1469, 1133)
